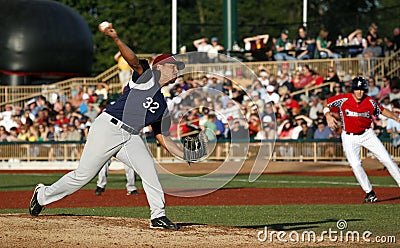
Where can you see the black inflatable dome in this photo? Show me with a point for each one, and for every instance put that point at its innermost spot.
(42, 39)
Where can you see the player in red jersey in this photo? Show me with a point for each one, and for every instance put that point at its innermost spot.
(356, 110)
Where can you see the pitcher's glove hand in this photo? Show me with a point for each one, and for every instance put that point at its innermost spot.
(195, 147)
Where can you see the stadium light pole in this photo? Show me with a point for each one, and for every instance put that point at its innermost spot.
(174, 26)
(305, 13)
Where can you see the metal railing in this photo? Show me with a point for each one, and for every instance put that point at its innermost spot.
(280, 150)
(378, 67)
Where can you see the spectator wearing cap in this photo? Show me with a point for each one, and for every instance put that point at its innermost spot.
(255, 98)
(346, 84)
(263, 78)
(282, 46)
(291, 104)
(271, 95)
(214, 50)
(83, 107)
(322, 131)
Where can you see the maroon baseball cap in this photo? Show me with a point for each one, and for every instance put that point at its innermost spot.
(168, 59)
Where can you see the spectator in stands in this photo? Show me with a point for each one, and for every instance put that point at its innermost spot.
(356, 38)
(295, 81)
(373, 89)
(396, 39)
(305, 45)
(3, 133)
(346, 84)
(283, 46)
(68, 110)
(393, 127)
(23, 134)
(255, 97)
(202, 45)
(257, 45)
(12, 135)
(102, 91)
(124, 69)
(372, 51)
(307, 79)
(271, 95)
(395, 85)
(332, 76)
(299, 119)
(304, 105)
(83, 107)
(291, 104)
(385, 89)
(239, 130)
(315, 107)
(214, 50)
(27, 118)
(284, 80)
(323, 45)
(337, 89)
(210, 127)
(284, 132)
(372, 35)
(306, 132)
(263, 78)
(254, 125)
(322, 131)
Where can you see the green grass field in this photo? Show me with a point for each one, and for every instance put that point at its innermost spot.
(380, 219)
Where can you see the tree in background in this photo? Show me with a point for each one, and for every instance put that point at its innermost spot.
(146, 25)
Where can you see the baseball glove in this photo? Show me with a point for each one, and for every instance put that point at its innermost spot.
(195, 147)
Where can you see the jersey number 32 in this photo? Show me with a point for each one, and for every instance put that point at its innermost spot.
(151, 105)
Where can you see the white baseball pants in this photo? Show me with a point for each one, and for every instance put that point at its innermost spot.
(352, 146)
(106, 139)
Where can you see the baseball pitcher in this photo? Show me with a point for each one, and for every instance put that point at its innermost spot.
(116, 132)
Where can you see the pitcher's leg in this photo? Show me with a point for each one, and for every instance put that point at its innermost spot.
(134, 153)
(104, 140)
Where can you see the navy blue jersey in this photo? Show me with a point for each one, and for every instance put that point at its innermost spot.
(142, 103)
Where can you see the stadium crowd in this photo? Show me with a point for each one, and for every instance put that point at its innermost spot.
(266, 109)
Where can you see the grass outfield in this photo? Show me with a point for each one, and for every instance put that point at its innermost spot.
(380, 219)
(11, 182)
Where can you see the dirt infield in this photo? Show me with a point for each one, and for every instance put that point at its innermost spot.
(22, 230)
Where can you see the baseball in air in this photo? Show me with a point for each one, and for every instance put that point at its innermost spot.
(104, 25)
